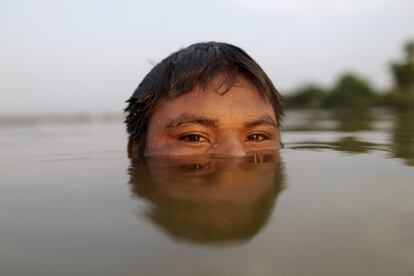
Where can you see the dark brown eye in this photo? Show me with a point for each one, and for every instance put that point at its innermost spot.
(257, 137)
(193, 138)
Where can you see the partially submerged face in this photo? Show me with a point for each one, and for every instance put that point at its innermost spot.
(209, 121)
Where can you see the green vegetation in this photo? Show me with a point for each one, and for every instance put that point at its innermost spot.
(354, 92)
(311, 96)
(404, 72)
(351, 91)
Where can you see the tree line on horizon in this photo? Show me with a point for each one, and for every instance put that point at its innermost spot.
(353, 91)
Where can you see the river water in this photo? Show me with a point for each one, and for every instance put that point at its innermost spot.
(337, 200)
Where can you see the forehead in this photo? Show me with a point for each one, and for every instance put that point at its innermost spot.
(241, 102)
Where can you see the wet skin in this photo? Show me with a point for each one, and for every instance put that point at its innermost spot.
(215, 122)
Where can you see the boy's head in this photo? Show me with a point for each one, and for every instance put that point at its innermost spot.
(209, 98)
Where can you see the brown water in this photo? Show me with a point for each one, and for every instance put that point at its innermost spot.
(337, 200)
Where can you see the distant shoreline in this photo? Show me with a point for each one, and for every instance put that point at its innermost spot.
(18, 120)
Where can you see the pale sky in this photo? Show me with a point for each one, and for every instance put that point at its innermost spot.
(89, 55)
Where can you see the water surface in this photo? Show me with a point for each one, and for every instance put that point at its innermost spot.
(337, 200)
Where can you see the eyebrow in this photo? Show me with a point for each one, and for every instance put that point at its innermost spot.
(263, 120)
(191, 118)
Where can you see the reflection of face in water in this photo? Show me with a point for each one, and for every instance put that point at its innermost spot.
(209, 200)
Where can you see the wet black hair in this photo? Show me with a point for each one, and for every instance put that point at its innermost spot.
(181, 71)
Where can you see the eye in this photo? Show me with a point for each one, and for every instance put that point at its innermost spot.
(196, 167)
(257, 137)
(193, 138)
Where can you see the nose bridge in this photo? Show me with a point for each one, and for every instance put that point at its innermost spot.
(229, 144)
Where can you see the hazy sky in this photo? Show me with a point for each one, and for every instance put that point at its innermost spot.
(89, 55)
